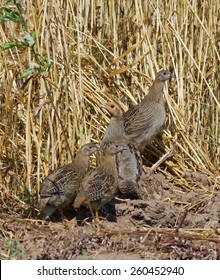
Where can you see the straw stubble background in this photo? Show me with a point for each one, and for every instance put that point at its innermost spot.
(107, 50)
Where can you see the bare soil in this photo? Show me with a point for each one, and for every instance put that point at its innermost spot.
(162, 222)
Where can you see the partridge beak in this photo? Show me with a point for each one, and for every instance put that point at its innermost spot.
(103, 106)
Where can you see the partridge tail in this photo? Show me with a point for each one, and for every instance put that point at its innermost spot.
(127, 186)
(43, 202)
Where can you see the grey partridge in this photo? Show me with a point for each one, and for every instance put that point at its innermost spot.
(59, 189)
(129, 160)
(100, 185)
(144, 121)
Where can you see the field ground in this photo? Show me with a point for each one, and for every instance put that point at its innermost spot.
(153, 227)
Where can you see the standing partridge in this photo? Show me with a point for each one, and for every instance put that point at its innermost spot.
(144, 121)
(59, 189)
(100, 185)
(129, 160)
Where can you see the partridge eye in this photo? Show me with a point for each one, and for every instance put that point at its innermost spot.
(112, 106)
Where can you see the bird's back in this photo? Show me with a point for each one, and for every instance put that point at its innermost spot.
(129, 169)
(98, 187)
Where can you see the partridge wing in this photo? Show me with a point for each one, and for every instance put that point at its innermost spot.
(56, 182)
(138, 119)
(99, 186)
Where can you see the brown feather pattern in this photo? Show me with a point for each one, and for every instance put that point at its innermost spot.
(100, 185)
(60, 187)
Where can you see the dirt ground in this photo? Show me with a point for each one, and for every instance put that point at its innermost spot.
(162, 222)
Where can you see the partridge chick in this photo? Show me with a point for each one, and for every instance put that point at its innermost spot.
(100, 185)
(144, 121)
(129, 160)
(129, 169)
(59, 189)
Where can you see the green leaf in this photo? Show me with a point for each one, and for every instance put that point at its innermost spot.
(8, 14)
(27, 73)
(30, 39)
(19, 4)
(40, 58)
(30, 70)
(12, 45)
(35, 65)
(9, 2)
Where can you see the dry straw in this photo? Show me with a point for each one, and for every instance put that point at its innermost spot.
(107, 50)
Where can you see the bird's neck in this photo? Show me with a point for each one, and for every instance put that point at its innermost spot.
(115, 124)
(81, 162)
(155, 91)
(115, 119)
(109, 164)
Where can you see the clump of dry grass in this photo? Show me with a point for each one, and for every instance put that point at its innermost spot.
(88, 52)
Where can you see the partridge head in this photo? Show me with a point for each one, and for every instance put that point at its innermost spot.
(112, 108)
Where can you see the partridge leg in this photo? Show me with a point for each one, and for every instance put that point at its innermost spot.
(159, 162)
(68, 224)
(62, 214)
(97, 215)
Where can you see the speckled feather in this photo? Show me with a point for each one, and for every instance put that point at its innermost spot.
(60, 187)
(129, 169)
(100, 185)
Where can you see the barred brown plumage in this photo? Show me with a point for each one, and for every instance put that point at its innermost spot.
(60, 187)
(100, 185)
